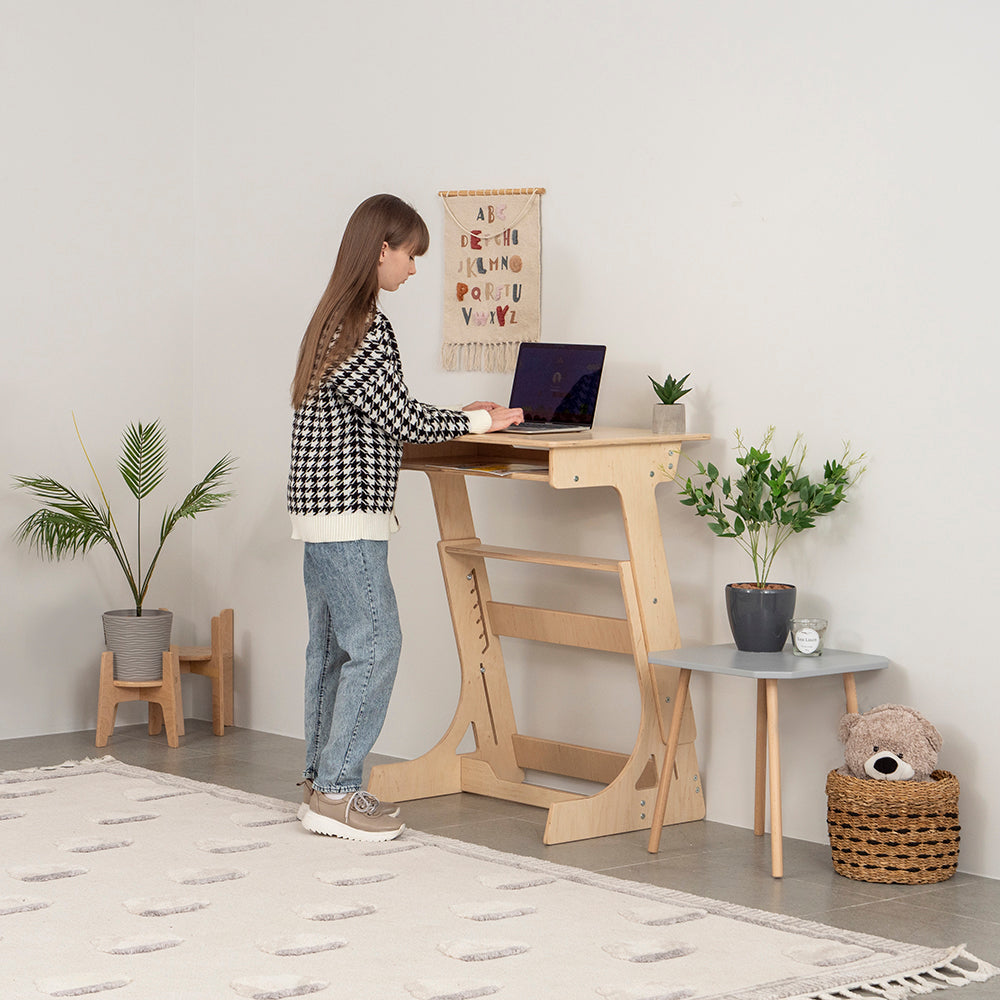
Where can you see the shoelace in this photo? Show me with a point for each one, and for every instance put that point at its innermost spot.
(363, 802)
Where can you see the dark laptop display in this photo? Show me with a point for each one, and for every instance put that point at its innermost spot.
(556, 385)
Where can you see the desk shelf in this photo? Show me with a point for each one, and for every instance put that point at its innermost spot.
(633, 463)
(531, 470)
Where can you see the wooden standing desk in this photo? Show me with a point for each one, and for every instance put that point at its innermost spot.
(633, 463)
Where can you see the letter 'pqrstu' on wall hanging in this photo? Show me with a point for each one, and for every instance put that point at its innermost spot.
(492, 276)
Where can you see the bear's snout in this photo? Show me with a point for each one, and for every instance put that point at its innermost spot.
(887, 766)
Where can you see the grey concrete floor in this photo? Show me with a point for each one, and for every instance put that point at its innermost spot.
(703, 858)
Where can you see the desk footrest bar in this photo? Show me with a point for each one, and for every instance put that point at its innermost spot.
(565, 628)
(531, 556)
(478, 778)
(572, 761)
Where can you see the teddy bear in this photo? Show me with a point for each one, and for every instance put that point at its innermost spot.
(890, 743)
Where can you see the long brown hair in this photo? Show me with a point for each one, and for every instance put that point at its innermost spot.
(345, 311)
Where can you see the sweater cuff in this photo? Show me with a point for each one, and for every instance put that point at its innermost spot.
(480, 421)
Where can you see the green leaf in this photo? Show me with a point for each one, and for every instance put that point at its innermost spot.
(143, 462)
(772, 498)
(68, 523)
(670, 389)
(202, 497)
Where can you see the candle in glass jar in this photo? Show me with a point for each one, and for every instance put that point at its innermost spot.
(807, 636)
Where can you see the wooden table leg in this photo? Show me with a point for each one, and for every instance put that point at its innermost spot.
(667, 773)
(760, 764)
(851, 693)
(774, 774)
(107, 704)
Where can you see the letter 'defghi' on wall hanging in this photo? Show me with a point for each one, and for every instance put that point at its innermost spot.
(492, 276)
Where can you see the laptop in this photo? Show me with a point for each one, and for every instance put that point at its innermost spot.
(556, 386)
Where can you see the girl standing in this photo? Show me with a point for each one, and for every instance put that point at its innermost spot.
(352, 414)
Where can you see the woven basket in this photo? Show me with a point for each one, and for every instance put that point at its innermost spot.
(893, 831)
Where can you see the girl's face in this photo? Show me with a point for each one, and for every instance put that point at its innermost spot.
(394, 267)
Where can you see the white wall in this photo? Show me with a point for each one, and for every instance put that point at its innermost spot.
(797, 203)
(96, 271)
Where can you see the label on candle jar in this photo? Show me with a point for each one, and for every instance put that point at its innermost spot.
(807, 640)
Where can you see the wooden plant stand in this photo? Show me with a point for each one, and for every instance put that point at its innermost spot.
(164, 697)
(631, 462)
(216, 663)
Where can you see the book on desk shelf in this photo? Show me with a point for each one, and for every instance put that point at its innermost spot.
(488, 468)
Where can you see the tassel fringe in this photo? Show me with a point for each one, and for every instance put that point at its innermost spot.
(959, 969)
(471, 356)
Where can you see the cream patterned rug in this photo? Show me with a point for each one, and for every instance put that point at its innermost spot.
(126, 882)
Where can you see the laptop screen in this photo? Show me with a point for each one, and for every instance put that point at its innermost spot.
(558, 382)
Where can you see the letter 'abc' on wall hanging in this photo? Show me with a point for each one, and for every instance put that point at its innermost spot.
(492, 276)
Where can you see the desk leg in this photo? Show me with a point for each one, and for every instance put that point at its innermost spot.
(666, 775)
(850, 693)
(774, 772)
(484, 701)
(760, 763)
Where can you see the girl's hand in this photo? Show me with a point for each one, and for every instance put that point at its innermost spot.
(481, 405)
(503, 417)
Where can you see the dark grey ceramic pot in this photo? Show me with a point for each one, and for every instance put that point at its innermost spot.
(138, 642)
(759, 616)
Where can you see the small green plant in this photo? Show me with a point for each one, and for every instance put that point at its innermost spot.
(771, 500)
(669, 390)
(69, 522)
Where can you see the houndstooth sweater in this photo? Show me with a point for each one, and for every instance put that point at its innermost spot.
(347, 443)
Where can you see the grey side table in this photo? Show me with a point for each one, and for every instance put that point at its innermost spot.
(766, 669)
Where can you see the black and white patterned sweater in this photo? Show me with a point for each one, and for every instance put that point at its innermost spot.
(347, 443)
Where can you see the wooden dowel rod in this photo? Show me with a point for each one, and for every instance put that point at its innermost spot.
(489, 193)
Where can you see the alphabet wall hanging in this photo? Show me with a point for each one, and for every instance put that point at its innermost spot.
(492, 276)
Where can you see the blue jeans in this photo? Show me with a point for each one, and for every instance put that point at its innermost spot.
(351, 659)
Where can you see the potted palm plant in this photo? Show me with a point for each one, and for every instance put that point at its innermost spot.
(668, 414)
(771, 500)
(69, 523)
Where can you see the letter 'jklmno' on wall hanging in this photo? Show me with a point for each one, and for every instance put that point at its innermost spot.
(492, 276)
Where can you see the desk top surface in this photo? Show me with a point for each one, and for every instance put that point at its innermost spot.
(727, 659)
(599, 436)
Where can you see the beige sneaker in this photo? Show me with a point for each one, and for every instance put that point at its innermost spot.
(384, 808)
(353, 817)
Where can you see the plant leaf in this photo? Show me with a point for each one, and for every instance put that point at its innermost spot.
(66, 525)
(143, 462)
(202, 497)
(670, 389)
(771, 499)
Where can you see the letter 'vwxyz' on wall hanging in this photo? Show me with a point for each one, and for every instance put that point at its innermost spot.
(492, 276)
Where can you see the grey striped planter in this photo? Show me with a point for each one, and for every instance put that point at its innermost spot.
(138, 643)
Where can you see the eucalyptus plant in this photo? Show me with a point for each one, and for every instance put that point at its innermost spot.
(771, 500)
(670, 390)
(70, 523)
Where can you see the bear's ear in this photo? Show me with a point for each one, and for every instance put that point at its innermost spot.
(924, 726)
(932, 736)
(847, 723)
